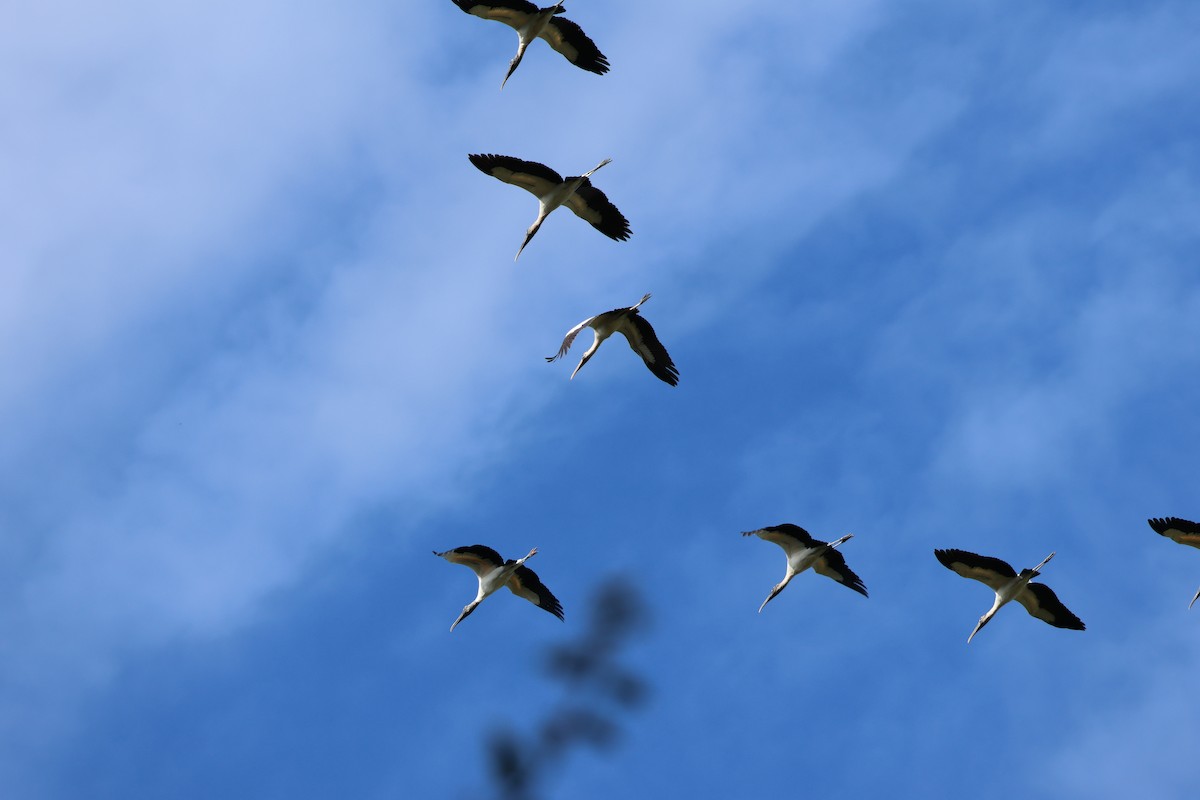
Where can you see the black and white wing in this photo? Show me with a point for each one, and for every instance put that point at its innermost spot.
(480, 558)
(525, 583)
(569, 39)
(1179, 530)
(832, 564)
(593, 206)
(645, 343)
(514, 13)
(985, 569)
(569, 339)
(1041, 602)
(529, 175)
(788, 536)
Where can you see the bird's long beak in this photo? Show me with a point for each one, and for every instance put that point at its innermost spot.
(1194, 599)
(528, 237)
(984, 620)
(512, 65)
(582, 361)
(466, 612)
(842, 540)
(771, 596)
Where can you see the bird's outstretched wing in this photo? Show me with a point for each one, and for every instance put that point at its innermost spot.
(645, 343)
(513, 13)
(593, 206)
(832, 564)
(480, 558)
(985, 569)
(569, 39)
(788, 536)
(525, 583)
(1041, 602)
(569, 339)
(1180, 530)
(529, 175)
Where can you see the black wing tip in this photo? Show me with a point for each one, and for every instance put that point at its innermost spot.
(948, 556)
(667, 374)
(485, 161)
(597, 65)
(854, 582)
(619, 231)
(1163, 524)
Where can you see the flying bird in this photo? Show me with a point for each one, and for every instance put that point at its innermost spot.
(531, 22)
(552, 191)
(636, 330)
(803, 551)
(494, 572)
(1179, 530)
(1039, 599)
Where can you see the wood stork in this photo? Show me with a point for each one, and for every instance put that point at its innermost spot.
(636, 330)
(1179, 530)
(552, 191)
(531, 22)
(1039, 599)
(803, 551)
(494, 572)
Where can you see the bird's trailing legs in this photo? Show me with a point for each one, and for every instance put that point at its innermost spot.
(1036, 570)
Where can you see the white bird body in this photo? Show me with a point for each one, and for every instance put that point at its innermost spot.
(531, 23)
(552, 190)
(636, 330)
(1178, 530)
(494, 573)
(1037, 598)
(803, 552)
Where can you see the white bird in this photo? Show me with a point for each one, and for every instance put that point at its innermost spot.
(1039, 599)
(803, 551)
(1179, 530)
(636, 330)
(494, 572)
(531, 22)
(552, 190)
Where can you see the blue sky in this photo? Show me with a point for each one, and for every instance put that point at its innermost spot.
(929, 275)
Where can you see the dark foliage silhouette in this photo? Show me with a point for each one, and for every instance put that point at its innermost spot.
(599, 689)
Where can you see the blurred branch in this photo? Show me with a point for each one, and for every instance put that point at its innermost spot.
(589, 669)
